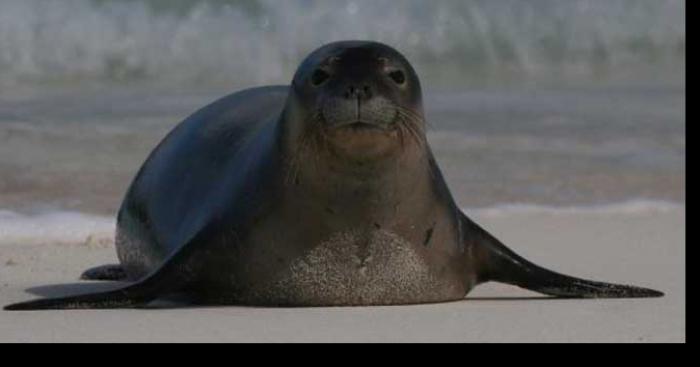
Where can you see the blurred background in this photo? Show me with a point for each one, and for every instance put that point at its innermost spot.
(543, 102)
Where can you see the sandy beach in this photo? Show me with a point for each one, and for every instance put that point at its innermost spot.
(645, 248)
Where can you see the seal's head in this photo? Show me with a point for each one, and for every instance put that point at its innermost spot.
(362, 98)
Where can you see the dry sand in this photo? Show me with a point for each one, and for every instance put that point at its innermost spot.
(646, 249)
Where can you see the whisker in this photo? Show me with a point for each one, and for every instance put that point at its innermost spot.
(411, 114)
(310, 140)
(413, 124)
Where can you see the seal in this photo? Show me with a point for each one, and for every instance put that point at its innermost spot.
(321, 193)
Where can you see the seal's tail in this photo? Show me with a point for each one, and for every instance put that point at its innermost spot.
(504, 265)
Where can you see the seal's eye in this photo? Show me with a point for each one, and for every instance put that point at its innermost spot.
(398, 77)
(319, 77)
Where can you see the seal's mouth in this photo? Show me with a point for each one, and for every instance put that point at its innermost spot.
(377, 114)
(369, 137)
(362, 125)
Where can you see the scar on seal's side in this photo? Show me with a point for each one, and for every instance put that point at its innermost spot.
(323, 192)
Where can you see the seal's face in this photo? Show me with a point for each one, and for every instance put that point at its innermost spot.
(364, 97)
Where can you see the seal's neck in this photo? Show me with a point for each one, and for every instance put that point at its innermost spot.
(317, 180)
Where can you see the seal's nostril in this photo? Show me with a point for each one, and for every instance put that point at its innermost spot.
(352, 92)
(349, 92)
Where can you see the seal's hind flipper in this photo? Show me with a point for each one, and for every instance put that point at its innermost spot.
(104, 272)
(500, 264)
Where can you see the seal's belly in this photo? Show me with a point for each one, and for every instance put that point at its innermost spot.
(358, 269)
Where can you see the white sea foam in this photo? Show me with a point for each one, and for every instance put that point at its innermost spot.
(64, 227)
(630, 207)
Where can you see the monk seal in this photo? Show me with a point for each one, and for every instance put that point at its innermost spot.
(321, 193)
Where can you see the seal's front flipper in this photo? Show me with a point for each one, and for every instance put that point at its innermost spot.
(500, 264)
(133, 295)
(159, 283)
(105, 272)
(173, 276)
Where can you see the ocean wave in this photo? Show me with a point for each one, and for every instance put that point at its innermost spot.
(261, 41)
(66, 227)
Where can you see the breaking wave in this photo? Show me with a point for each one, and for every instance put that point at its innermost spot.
(261, 41)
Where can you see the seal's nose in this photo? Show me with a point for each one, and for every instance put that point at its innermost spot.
(362, 93)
